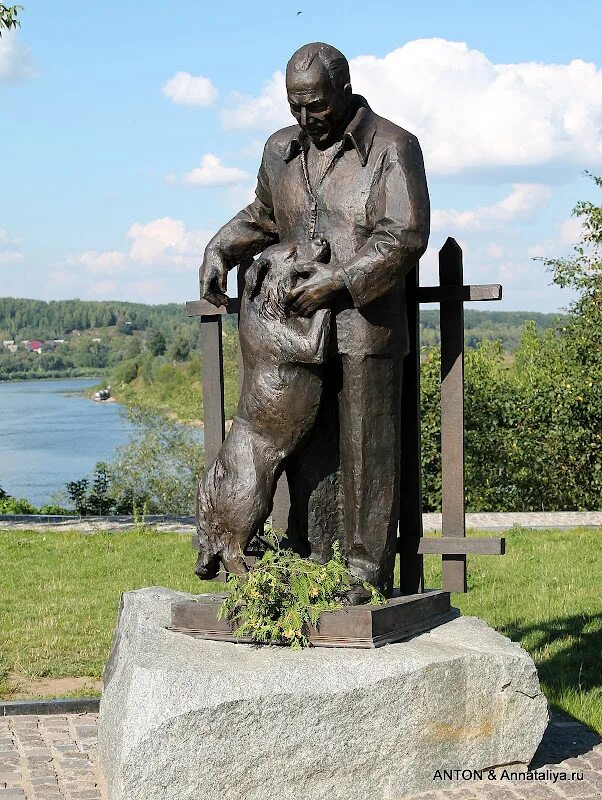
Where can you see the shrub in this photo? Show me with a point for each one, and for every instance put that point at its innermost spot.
(157, 471)
(125, 372)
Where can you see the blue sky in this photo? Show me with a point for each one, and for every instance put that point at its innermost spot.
(131, 131)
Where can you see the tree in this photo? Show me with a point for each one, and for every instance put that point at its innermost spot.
(157, 344)
(8, 17)
(159, 468)
(583, 273)
(180, 349)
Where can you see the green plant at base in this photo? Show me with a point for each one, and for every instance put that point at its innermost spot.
(284, 594)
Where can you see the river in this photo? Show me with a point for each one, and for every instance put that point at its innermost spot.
(51, 434)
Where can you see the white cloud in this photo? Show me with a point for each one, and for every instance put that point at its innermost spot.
(150, 290)
(159, 262)
(111, 262)
(213, 173)
(15, 60)
(5, 238)
(469, 113)
(166, 241)
(570, 231)
(541, 250)
(520, 205)
(185, 89)
(268, 110)
(240, 195)
(8, 257)
(494, 251)
(159, 246)
(105, 289)
(254, 149)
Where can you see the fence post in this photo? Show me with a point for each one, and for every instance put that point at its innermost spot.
(452, 414)
(214, 418)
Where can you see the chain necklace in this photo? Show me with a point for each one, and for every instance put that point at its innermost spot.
(313, 217)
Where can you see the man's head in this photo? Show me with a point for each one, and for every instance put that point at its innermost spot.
(319, 91)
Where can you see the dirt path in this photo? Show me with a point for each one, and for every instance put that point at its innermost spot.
(22, 688)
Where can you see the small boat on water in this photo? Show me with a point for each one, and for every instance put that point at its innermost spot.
(103, 394)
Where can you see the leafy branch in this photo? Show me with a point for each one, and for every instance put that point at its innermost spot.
(8, 17)
(284, 595)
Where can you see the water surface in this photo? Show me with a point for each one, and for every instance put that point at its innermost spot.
(50, 434)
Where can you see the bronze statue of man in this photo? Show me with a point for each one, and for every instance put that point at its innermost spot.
(357, 180)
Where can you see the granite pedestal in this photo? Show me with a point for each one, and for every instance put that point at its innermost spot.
(190, 719)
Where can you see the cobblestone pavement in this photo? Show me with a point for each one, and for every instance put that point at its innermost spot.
(49, 758)
(54, 758)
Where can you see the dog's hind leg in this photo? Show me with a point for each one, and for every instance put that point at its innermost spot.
(235, 497)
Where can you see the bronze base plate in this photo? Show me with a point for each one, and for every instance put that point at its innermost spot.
(364, 626)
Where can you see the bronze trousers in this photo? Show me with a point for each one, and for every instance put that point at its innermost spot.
(344, 478)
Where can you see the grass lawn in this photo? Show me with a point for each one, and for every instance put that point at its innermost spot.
(59, 594)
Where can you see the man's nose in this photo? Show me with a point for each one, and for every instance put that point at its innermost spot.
(303, 121)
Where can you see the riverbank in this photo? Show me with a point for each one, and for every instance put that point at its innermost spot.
(174, 388)
(140, 396)
(51, 375)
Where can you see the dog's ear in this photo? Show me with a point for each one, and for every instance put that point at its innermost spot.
(258, 272)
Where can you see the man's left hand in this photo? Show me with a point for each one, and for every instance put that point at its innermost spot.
(320, 288)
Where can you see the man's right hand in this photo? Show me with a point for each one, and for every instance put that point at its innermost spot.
(213, 276)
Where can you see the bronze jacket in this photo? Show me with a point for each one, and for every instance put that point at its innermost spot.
(372, 207)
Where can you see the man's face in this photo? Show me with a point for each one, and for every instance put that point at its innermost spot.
(320, 109)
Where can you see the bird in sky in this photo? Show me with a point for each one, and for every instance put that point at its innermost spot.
(299, 12)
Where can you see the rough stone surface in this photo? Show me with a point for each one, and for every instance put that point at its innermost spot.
(193, 719)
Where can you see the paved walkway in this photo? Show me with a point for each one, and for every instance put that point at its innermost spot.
(49, 758)
(54, 758)
(431, 522)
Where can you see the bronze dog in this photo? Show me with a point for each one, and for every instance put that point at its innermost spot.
(282, 357)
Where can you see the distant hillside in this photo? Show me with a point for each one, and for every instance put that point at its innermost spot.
(28, 319)
(507, 326)
(69, 338)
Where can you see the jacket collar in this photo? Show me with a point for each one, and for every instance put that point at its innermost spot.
(359, 133)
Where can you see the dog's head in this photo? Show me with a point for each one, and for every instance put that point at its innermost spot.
(279, 268)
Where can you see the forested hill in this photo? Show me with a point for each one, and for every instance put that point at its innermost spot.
(27, 319)
(507, 326)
